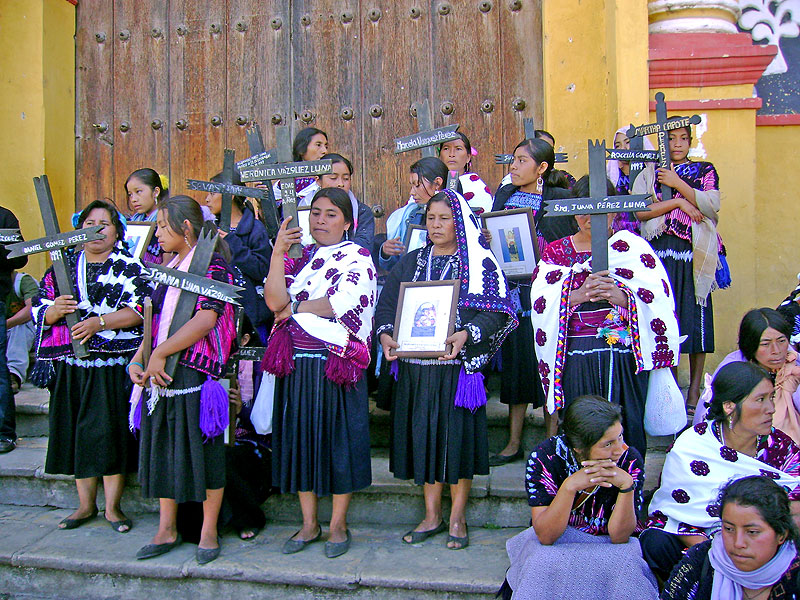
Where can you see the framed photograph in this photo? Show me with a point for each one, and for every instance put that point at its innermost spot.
(303, 219)
(426, 317)
(138, 237)
(416, 237)
(514, 241)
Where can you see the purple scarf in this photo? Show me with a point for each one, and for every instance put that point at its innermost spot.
(729, 581)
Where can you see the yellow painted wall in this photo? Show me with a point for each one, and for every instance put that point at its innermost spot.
(37, 59)
(595, 71)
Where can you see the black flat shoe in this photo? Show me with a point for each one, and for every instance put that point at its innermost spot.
(496, 460)
(117, 525)
(334, 549)
(73, 523)
(293, 546)
(420, 536)
(7, 445)
(153, 550)
(206, 555)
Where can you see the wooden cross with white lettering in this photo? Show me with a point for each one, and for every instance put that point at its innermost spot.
(426, 138)
(259, 156)
(662, 127)
(530, 133)
(598, 204)
(56, 243)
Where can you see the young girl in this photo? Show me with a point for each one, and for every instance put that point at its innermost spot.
(341, 177)
(250, 253)
(145, 189)
(182, 418)
(428, 176)
(533, 180)
(88, 432)
(457, 156)
(683, 233)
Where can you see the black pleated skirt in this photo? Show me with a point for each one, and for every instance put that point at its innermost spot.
(320, 431)
(89, 435)
(175, 461)
(519, 381)
(694, 320)
(432, 440)
(594, 367)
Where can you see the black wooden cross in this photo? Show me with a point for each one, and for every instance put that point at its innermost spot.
(57, 243)
(192, 283)
(285, 171)
(426, 137)
(636, 156)
(530, 133)
(598, 204)
(662, 127)
(10, 236)
(227, 188)
(259, 156)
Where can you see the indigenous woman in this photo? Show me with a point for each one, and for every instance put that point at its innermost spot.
(754, 557)
(309, 144)
(683, 232)
(457, 156)
(764, 340)
(439, 432)
(737, 440)
(618, 172)
(250, 253)
(585, 490)
(182, 418)
(428, 176)
(318, 351)
(601, 333)
(557, 178)
(88, 430)
(145, 189)
(363, 219)
(532, 182)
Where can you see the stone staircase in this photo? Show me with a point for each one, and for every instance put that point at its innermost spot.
(39, 561)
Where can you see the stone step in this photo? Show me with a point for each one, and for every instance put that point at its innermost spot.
(92, 562)
(32, 407)
(496, 500)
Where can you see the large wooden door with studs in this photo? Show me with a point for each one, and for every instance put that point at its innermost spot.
(169, 84)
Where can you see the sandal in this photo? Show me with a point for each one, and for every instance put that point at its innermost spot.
(73, 523)
(418, 537)
(462, 541)
(117, 525)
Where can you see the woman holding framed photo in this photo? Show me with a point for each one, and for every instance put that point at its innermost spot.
(439, 431)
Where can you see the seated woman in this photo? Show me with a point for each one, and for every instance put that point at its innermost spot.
(323, 304)
(764, 340)
(753, 557)
(585, 490)
(602, 333)
(439, 430)
(737, 440)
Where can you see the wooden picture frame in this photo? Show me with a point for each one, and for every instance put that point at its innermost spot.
(304, 221)
(139, 234)
(514, 242)
(425, 318)
(416, 237)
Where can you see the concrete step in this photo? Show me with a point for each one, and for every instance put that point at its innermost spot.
(92, 562)
(497, 499)
(32, 408)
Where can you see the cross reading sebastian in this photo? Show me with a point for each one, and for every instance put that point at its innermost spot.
(427, 137)
(286, 171)
(530, 133)
(661, 128)
(223, 188)
(598, 204)
(56, 243)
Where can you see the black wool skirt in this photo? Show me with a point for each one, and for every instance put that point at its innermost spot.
(432, 440)
(320, 431)
(594, 367)
(519, 377)
(694, 320)
(89, 435)
(175, 460)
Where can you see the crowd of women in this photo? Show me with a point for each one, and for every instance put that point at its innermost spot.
(721, 523)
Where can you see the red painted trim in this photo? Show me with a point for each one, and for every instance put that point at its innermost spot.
(723, 104)
(767, 120)
(703, 59)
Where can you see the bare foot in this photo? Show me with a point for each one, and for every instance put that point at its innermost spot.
(459, 530)
(307, 533)
(248, 534)
(166, 536)
(426, 525)
(80, 513)
(337, 535)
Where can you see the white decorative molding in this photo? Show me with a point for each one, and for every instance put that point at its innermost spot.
(771, 20)
(687, 16)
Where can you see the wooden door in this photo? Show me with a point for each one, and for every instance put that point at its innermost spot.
(178, 81)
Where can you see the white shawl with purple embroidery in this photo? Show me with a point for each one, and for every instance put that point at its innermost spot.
(653, 326)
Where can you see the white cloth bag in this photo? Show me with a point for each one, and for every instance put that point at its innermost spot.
(664, 411)
(261, 415)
